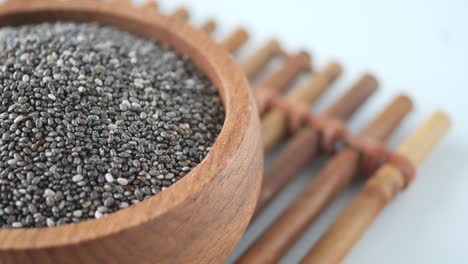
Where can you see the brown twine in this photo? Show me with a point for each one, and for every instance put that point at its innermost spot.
(373, 153)
(263, 98)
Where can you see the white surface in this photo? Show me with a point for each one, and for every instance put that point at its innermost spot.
(420, 47)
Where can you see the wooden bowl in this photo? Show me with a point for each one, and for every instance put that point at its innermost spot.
(200, 218)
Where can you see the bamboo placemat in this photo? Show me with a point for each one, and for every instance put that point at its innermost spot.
(284, 109)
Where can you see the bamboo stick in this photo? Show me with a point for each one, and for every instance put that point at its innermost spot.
(121, 4)
(151, 5)
(331, 181)
(181, 13)
(253, 64)
(303, 147)
(282, 78)
(235, 40)
(279, 80)
(274, 124)
(379, 190)
(209, 26)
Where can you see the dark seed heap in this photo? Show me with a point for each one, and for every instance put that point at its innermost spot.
(93, 119)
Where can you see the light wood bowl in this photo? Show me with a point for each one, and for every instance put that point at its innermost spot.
(200, 218)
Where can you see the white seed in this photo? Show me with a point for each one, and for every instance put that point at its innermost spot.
(98, 214)
(169, 176)
(77, 178)
(49, 193)
(50, 222)
(52, 97)
(78, 213)
(109, 178)
(24, 56)
(18, 119)
(17, 225)
(102, 209)
(25, 78)
(82, 183)
(112, 127)
(122, 181)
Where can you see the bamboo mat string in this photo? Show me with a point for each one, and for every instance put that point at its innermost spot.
(332, 130)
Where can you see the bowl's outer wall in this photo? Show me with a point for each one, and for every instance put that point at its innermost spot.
(199, 219)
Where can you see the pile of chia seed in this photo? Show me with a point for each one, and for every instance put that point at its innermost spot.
(93, 120)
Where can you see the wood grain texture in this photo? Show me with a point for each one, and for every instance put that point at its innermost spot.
(235, 40)
(209, 208)
(325, 187)
(303, 147)
(379, 190)
(255, 62)
(275, 122)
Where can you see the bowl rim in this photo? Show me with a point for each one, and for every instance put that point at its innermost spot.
(213, 61)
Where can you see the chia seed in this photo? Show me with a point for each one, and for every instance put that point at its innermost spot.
(93, 120)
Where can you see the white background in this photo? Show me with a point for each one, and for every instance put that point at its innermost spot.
(416, 47)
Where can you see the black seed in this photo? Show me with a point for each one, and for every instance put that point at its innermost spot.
(93, 120)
